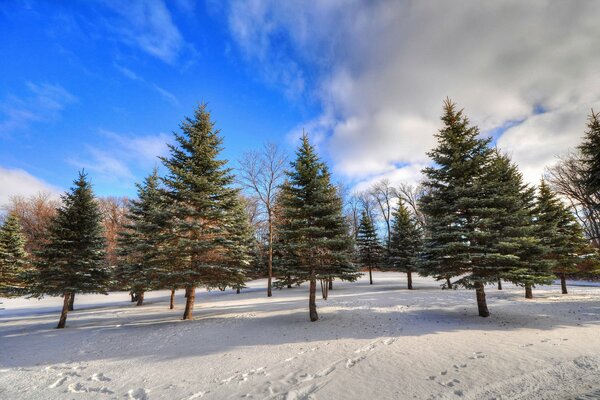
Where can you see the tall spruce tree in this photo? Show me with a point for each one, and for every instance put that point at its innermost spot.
(142, 261)
(368, 248)
(561, 234)
(73, 259)
(405, 243)
(206, 242)
(312, 233)
(590, 151)
(13, 258)
(454, 207)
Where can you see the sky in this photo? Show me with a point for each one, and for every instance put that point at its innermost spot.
(101, 85)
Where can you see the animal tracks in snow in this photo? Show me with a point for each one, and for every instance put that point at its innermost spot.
(72, 377)
(448, 378)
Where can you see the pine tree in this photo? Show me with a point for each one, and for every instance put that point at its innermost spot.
(313, 238)
(369, 250)
(561, 234)
(73, 259)
(13, 258)
(142, 262)
(205, 243)
(405, 243)
(454, 208)
(590, 151)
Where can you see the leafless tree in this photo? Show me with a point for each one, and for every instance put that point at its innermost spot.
(262, 172)
(114, 213)
(385, 198)
(411, 194)
(566, 178)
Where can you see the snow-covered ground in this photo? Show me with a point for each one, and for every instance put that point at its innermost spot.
(371, 342)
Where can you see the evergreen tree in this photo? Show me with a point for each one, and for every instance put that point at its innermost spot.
(73, 259)
(454, 207)
(561, 234)
(206, 242)
(13, 258)
(369, 250)
(590, 151)
(142, 263)
(312, 233)
(405, 243)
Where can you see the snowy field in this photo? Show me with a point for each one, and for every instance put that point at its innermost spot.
(371, 342)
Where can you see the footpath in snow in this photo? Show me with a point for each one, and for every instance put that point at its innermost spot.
(377, 341)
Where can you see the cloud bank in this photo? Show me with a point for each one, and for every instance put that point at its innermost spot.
(381, 69)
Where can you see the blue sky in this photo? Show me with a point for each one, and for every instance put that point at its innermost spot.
(89, 85)
(101, 84)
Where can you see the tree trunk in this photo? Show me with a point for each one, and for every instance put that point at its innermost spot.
(289, 278)
(563, 283)
(140, 298)
(238, 290)
(270, 261)
(331, 284)
(325, 288)
(409, 278)
(481, 303)
(132, 297)
(172, 302)
(499, 284)
(528, 292)
(190, 295)
(312, 305)
(72, 301)
(448, 283)
(63, 315)
(370, 275)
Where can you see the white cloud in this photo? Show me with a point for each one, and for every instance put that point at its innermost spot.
(148, 25)
(170, 97)
(17, 182)
(44, 102)
(381, 70)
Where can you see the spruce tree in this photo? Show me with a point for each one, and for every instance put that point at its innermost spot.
(405, 243)
(369, 250)
(13, 258)
(561, 234)
(142, 262)
(206, 241)
(590, 151)
(73, 259)
(313, 238)
(454, 208)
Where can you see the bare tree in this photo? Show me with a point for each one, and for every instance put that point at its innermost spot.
(385, 197)
(566, 178)
(411, 194)
(114, 213)
(262, 172)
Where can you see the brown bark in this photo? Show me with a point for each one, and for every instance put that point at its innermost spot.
(409, 278)
(325, 288)
(370, 275)
(312, 304)
(563, 283)
(65, 310)
(528, 292)
(189, 302)
(172, 302)
(132, 296)
(140, 298)
(481, 303)
(238, 290)
(72, 301)
(448, 283)
(499, 284)
(331, 284)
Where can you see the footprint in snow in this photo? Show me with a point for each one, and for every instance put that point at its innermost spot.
(137, 394)
(58, 382)
(99, 377)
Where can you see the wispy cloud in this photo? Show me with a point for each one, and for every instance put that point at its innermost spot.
(164, 93)
(44, 102)
(147, 25)
(18, 182)
(123, 157)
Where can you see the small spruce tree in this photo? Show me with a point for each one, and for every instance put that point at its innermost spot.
(590, 151)
(405, 243)
(73, 259)
(369, 250)
(13, 258)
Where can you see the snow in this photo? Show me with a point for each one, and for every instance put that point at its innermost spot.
(372, 341)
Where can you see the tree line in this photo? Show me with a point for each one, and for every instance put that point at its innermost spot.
(471, 222)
